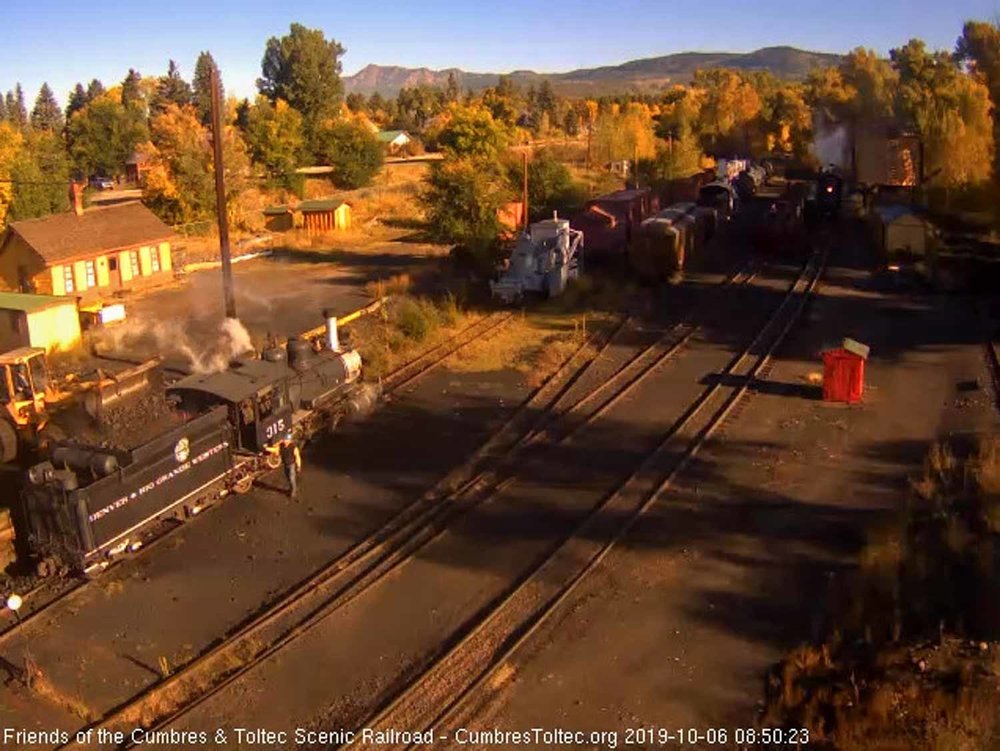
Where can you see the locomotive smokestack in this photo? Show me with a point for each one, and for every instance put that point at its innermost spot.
(332, 340)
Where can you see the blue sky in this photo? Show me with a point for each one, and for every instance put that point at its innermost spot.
(62, 41)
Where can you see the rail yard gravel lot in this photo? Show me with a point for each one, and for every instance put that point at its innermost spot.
(674, 629)
(251, 548)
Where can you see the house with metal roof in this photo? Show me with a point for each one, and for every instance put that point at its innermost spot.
(45, 321)
(87, 254)
(900, 230)
(394, 140)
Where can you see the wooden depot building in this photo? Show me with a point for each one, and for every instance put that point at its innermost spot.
(86, 254)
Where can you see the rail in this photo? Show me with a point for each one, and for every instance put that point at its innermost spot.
(372, 559)
(449, 682)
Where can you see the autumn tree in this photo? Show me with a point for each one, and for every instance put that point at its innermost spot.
(872, 82)
(624, 134)
(416, 106)
(502, 101)
(11, 143)
(46, 114)
(352, 150)
(104, 134)
(460, 201)
(979, 49)
(472, 132)
(550, 185)
(951, 112)
(40, 174)
(201, 87)
(303, 68)
(275, 139)
(180, 184)
(729, 107)
(786, 121)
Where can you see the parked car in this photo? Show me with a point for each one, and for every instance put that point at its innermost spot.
(102, 183)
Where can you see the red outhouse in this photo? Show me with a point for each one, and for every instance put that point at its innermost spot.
(843, 376)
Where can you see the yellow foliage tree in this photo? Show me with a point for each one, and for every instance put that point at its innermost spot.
(11, 143)
(625, 135)
(730, 105)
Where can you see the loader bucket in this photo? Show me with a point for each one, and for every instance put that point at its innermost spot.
(112, 389)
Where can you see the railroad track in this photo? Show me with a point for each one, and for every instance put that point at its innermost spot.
(50, 594)
(545, 415)
(459, 676)
(427, 361)
(274, 617)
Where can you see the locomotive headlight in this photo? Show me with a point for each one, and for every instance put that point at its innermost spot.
(14, 602)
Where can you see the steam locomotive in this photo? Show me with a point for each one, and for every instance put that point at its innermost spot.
(90, 502)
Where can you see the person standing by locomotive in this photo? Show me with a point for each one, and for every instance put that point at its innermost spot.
(291, 460)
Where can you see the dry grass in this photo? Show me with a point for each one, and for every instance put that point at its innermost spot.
(913, 656)
(529, 345)
(398, 284)
(403, 329)
(43, 687)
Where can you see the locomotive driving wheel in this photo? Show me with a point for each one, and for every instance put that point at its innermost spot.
(272, 460)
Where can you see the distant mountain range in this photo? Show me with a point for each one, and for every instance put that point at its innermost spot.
(651, 73)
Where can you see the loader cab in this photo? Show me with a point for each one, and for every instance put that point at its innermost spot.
(254, 391)
(24, 379)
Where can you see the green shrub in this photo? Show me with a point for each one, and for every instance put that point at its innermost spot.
(415, 318)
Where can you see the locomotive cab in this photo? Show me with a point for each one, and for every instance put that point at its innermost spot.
(255, 392)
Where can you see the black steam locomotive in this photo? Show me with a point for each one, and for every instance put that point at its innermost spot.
(89, 503)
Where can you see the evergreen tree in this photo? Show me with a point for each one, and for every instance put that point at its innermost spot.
(356, 102)
(131, 92)
(451, 91)
(46, 115)
(77, 101)
(3, 110)
(202, 87)
(16, 110)
(171, 89)
(95, 89)
(303, 68)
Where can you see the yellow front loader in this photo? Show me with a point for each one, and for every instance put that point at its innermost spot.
(27, 393)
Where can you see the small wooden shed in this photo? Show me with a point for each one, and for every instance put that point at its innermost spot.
(279, 218)
(900, 229)
(44, 321)
(325, 215)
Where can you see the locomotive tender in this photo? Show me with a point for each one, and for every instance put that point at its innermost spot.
(90, 502)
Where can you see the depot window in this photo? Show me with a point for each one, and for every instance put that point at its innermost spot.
(133, 259)
(154, 259)
(68, 278)
(91, 274)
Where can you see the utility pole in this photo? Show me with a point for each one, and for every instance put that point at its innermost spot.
(220, 197)
(590, 133)
(524, 189)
